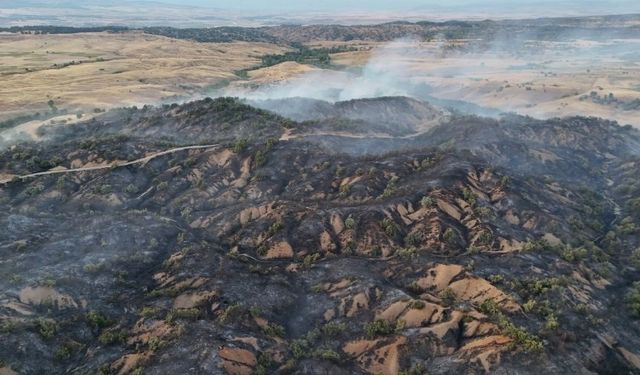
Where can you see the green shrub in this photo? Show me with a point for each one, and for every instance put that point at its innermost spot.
(378, 328)
(635, 257)
(155, 344)
(415, 288)
(333, 329)
(519, 335)
(537, 287)
(271, 143)
(412, 239)
(408, 252)
(391, 187)
(97, 320)
(390, 227)
(427, 163)
(150, 312)
(450, 236)
(188, 314)
(626, 227)
(482, 212)
(536, 246)
(326, 354)
(485, 238)
(8, 326)
(240, 145)
(632, 299)
(61, 181)
(34, 190)
(262, 250)
(229, 312)
(344, 190)
(504, 181)
(349, 248)
(275, 228)
(92, 268)
(570, 254)
(260, 158)
(299, 348)
(448, 297)
(264, 362)
(46, 328)
(190, 162)
(131, 189)
(427, 202)
(63, 353)
(254, 311)
(105, 189)
(470, 197)
(274, 330)
(529, 306)
(582, 308)
(310, 260)
(551, 322)
(350, 223)
(112, 337)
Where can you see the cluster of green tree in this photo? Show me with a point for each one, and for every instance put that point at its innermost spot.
(12, 122)
(214, 35)
(611, 99)
(305, 55)
(232, 110)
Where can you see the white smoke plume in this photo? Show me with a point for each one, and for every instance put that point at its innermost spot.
(522, 74)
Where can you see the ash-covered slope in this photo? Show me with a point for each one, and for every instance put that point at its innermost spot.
(500, 246)
(395, 116)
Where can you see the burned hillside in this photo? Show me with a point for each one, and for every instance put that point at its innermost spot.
(215, 237)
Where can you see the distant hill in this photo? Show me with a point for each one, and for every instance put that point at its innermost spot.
(197, 13)
(552, 29)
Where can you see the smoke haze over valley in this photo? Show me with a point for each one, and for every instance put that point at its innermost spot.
(522, 75)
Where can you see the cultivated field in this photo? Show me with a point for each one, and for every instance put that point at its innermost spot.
(80, 72)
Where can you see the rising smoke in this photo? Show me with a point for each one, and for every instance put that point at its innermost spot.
(521, 74)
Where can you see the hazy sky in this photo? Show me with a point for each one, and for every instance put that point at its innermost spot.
(190, 13)
(554, 6)
(504, 7)
(312, 4)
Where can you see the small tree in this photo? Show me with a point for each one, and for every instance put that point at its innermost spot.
(633, 299)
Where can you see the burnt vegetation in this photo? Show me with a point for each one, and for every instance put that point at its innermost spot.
(278, 248)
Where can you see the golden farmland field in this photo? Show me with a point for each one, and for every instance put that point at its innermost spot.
(80, 72)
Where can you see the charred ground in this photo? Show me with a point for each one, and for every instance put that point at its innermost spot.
(474, 245)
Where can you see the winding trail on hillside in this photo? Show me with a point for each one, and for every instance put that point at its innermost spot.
(143, 160)
(289, 135)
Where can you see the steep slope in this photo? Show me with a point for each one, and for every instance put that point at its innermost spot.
(487, 246)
